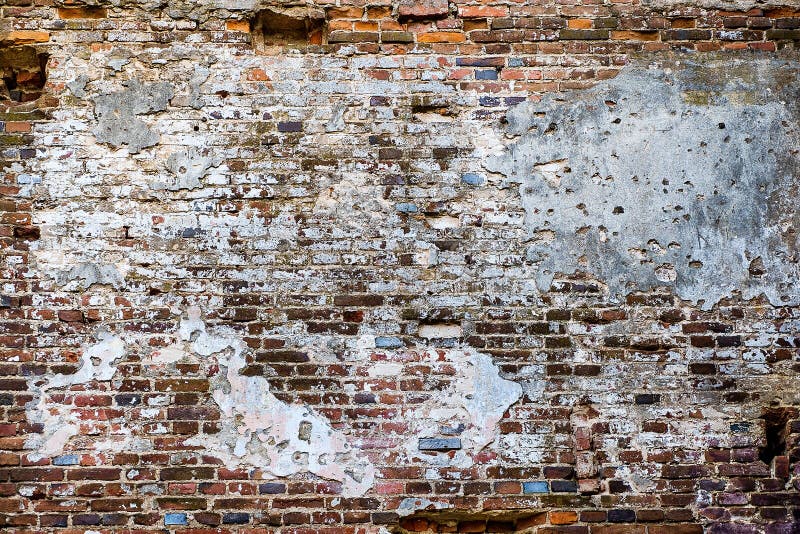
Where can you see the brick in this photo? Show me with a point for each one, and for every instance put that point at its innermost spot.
(621, 516)
(635, 35)
(187, 473)
(83, 12)
(21, 37)
(563, 518)
(353, 37)
(427, 9)
(439, 444)
(595, 35)
(781, 35)
(441, 37)
(396, 37)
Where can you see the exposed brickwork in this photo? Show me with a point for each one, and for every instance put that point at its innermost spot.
(324, 204)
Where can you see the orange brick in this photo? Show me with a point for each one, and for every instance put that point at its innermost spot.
(238, 26)
(512, 74)
(257, 75)
(18, 127)
(392, 25)
(345, 13)
(340, 25)
(441, 37)
(361, 26)
(683, 23)
(476, 24)
(25, 37)
(634, 35)
(563, 518)
(379, 12)
(579, 24)
(479, 12)
(82, 12)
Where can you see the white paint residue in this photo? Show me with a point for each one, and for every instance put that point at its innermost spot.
(470, 407)
(260, 430)
(97, 363)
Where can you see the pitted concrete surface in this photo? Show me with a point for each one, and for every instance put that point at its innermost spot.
(664, 177)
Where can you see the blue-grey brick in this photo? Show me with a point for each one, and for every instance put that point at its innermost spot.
(388, 343)
(471, 178)
(175, 519)
(439, 444)
(67, 459)
(272, 487)
(235, 518)
(537, 486)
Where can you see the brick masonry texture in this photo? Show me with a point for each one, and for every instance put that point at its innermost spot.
(349, 268)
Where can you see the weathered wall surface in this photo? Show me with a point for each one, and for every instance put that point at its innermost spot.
(448, 267)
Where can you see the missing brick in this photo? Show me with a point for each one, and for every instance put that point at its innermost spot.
(505, 521)
(23, 73)
(776, 419)
(281, 27)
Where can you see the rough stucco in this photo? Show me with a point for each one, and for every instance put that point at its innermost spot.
(678, 188)
(117, 114)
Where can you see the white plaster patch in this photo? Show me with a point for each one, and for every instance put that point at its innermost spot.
(59, 425)
(439, 331)
(260, 430)
(470, 407)
(409, 505)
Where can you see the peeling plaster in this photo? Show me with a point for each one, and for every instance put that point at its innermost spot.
(660, 177)
(410, 505)
(85, 274)
(259, 430)
(188, 166)
(117, 114)
(59, 425)
(472, 404)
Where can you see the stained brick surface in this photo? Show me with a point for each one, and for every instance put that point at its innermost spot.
(260, 287)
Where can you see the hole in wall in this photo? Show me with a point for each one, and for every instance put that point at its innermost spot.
(516, 521)
(23, 73)
(776, 421)
(295, 27)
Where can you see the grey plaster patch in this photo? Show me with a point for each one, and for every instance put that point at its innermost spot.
(78, 86)
(188, 166)
(336, 122)
(119, 58)
(682, 175)
(117, 114)
(199, 77)
(88, 274)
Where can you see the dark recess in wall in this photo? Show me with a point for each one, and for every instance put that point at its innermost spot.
(292, 28)
(776, 420)
(23, 72)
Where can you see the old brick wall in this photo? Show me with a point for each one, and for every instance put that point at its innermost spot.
(339, 268)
